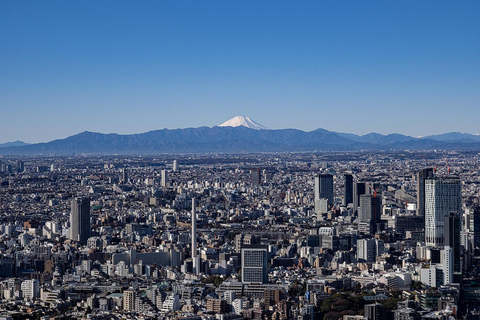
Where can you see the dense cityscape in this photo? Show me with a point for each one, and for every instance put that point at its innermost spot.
(346, 235)
(239, 160)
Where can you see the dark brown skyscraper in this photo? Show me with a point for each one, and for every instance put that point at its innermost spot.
(255, 177)
(348, 189)
(80, 220)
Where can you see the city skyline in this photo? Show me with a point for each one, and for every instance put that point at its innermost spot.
(230, 236)
(409, 68)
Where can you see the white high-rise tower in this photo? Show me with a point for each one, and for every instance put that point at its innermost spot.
(195, 257)
(194, 230)
(442, 197)
(164, 181)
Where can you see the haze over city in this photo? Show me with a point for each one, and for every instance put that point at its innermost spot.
(404, 67)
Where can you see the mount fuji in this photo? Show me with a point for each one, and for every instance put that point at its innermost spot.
(243, 121)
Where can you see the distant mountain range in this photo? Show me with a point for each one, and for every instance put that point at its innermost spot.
(17, 143)
(238, 136)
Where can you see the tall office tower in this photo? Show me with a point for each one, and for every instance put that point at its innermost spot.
(453, 228)
(370, 210)
(267, 176)
(194, 229)
(442, 196)
(321, 207)
(255, 177)
(366, 251)
(254, 265)
(447, 265)
(358, 189)
(196, 259)
(175, 165)
(80, 220)
(421, 176)
(124, 176)
(324, 188)
(129, 297)
(164, 178)
(20, 166)
(348, 189)
(474, 225)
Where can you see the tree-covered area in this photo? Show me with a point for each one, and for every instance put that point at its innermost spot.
(391, 302)
(340, 304)
(351, 303)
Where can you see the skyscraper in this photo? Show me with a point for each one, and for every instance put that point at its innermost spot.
(366, 251)
(474, 224)
(255, 177)
(20, 166)
(124, 176)
(348, 187)
(324, 188)
(370, 210)
(453, 227)
(194, 229)
(358, 189)
(421, 176)
(442, 197)
(80, 220)
(254, 265)
(196, 259)
(164, 178)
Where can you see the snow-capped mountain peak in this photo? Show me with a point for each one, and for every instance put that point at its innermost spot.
(243, 121)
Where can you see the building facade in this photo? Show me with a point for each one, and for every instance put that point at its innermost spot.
(80, 220)
(442, 197)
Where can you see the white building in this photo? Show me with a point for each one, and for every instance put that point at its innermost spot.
(172, 303)
(442, 197)
(366, 250)
(431, 276)
(229, 296)
(30, 289)
(164, 178)
(447, 255)
(237, 305)
(129, 297)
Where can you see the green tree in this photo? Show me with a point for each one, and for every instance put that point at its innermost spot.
(332, 315)
(217, 281)
(391, 303)
(416, 285)
(358, 288)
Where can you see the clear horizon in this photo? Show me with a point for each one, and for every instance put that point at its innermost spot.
(123, 67)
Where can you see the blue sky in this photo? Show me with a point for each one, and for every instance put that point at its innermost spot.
(411, 67)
